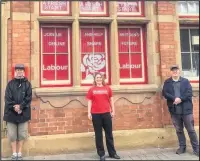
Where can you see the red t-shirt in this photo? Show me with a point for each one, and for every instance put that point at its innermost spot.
(100, 97)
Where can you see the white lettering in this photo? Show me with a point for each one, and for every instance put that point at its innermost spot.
(57, 8)
(91, 6)
(123, 34)
(53, 34)
(127, 6)
(131, 34)
(129, 43)
(56, 43)
(100, 92)
(53, 67)
(93, 34)
(134, 34)
(94, 43)
(53, 5)
(132, 66)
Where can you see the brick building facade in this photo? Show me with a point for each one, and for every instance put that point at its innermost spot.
(136, 46)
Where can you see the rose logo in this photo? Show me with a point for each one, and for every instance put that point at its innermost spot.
(92, 63)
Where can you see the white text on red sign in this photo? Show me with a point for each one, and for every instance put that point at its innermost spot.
(53, 34)
(93, 34)
(53, 5)
(132, 66)
(54, 67)
(130, 34)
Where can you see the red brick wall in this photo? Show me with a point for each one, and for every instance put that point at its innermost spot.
(21, 42)
(166, 45)
(9, 49)
(19, 37)
(166, 8)
(72, 120)
(20, 6)
(196, 108)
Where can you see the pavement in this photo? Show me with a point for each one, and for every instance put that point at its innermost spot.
(131, 154)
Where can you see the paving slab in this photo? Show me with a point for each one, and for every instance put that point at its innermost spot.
(131, 154)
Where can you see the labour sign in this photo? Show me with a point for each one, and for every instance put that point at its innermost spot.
(55, 54)
(130, 53)
(93, 51)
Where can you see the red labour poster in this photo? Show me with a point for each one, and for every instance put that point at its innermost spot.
(93, 52)
(55, 55)
(130, 53)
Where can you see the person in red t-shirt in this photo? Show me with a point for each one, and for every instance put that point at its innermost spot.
(100, 111)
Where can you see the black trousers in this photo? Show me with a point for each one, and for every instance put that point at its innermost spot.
(103, 121)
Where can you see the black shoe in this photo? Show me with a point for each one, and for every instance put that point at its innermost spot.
(115, 156)
(180, 150)
(196, 153)
(103, 158)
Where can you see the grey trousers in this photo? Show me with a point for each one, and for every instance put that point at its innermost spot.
(179, 122)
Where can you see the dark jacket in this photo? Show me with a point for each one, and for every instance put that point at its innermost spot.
(185, 92)
(18, 91)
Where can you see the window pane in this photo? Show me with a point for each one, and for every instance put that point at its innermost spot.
(92, 63)
(61, 40)
(197, 4)
(186, 64)
(186, 61)
(62, 69)
(188, 7)
(184, 36)
(48, 40)
(194, 32)
(135, 40)
(55, 56)
(48, 67)
(192, 7)
(124, 65)
(195, 48)
(131, 57)
(86, 40)
(195, 63)
(99, 40)
(123, 36)
(94, 55)
(182, 7)
(136, 65)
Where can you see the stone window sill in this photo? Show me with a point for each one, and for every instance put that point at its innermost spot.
(117, 89)
(81, 91)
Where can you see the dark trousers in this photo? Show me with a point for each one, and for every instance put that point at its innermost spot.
(179, 122)
(103, 121)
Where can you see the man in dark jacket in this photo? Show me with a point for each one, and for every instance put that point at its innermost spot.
(17, 113)
(178, 92)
